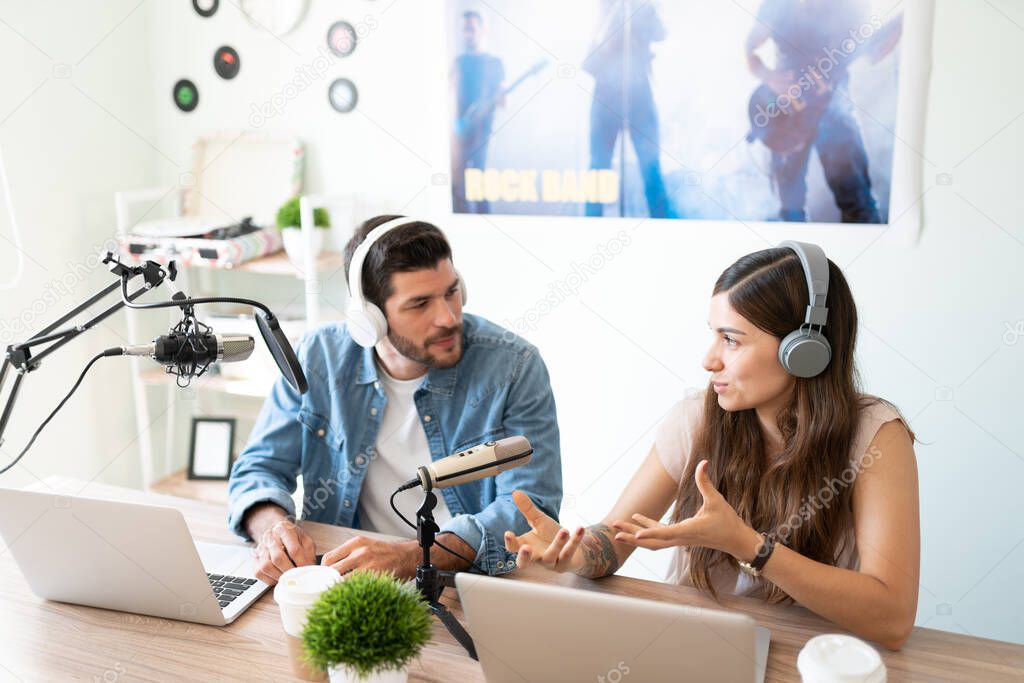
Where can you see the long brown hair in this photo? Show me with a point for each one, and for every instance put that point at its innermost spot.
(818, 425)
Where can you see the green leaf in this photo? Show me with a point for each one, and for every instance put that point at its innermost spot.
(288, 215)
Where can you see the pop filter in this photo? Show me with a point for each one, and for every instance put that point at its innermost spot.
(281, 350)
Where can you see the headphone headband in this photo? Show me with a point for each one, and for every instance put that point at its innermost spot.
(355, 268)
(367, 324)
(815, 264)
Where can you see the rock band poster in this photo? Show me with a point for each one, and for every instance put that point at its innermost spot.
(754, 110)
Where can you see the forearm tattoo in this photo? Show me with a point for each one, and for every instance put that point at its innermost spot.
(599, 557)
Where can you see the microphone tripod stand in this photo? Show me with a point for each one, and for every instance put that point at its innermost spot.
(430, 581)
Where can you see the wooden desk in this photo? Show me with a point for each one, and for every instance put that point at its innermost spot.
(178, 484)
(42, 640)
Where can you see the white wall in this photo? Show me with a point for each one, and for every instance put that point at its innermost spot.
(73, 127)
(629, 344)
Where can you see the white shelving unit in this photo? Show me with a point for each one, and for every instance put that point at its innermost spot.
(145, 374)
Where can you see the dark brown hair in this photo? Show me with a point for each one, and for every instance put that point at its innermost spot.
(818, 426)
(416, 246)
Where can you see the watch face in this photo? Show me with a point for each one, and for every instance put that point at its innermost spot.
(341, 38)
(226, 62)
(186, 96)
(343, 95)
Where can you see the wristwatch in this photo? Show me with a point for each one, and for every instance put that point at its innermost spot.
(754, 567)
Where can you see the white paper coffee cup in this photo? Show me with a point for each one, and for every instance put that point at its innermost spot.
(297, 590)
(295, 593)
(837, 658)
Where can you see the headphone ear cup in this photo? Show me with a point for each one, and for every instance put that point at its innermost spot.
(462, 287)
(805, 353)
(366, 324)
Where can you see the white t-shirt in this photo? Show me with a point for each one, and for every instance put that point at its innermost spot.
(401, 448)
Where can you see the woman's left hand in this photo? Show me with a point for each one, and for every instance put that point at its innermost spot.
(715, 525)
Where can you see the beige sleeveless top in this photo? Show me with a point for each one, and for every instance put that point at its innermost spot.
(673, 441)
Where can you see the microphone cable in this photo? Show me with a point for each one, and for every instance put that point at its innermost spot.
(102, 354)
(472, 563)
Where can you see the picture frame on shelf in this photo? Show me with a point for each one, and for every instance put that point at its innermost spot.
(211, 448)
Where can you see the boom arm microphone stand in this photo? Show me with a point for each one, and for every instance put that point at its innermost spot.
(20, 356)
(430, 581)
(23, 360)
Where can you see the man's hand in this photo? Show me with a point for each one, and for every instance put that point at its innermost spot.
(362, 552)
(282, 544)
(400, 558)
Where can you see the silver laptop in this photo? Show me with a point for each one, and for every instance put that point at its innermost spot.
(125, 556)
(533, 632)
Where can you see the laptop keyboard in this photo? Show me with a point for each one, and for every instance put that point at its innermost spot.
(227, 588)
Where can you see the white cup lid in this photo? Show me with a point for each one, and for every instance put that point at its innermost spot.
(837, 658)
(297, 590)
(303, 585)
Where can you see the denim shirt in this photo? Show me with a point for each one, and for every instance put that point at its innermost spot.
(500, 387)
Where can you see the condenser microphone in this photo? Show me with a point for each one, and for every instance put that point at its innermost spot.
(478, 462)
(179, 349)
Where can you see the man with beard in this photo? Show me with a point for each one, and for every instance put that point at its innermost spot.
(425, 382)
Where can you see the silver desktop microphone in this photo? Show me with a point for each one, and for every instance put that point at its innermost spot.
(478, 462)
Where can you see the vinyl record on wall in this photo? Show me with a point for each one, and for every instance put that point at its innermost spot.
(226, 62)
(186, 95)
(277, 17)
(205, 8)
(341, 38)
(343, 95)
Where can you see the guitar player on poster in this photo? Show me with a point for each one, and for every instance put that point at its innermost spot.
(815, 41)
(477, 77)
(623, 100)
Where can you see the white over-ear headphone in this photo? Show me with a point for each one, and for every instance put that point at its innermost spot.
(367, 324)
(805, 352)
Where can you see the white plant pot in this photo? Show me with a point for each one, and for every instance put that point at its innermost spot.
(341, 674)
(294, 245)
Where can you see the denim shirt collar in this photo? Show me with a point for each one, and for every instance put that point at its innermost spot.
(367, 371)
(440, 381)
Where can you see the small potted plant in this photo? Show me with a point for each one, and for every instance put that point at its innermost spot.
(367, 628)
(290, 224)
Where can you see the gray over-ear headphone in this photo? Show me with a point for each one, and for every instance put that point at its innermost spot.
(367, 324)
(805, 352)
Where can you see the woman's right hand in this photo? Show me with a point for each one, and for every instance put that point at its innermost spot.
(547, 542)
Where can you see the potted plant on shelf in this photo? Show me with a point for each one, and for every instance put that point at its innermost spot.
(289, 222)
(367, 628)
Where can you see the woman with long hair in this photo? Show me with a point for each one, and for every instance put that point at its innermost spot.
(783, 486)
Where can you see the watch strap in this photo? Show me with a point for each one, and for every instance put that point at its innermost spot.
(763, 553)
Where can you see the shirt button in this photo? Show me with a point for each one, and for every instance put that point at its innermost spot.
(347, 503)
(501, 565)
(426, 418)
(511, 564)
(321, 433)
(373, 411)
(360, 460)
